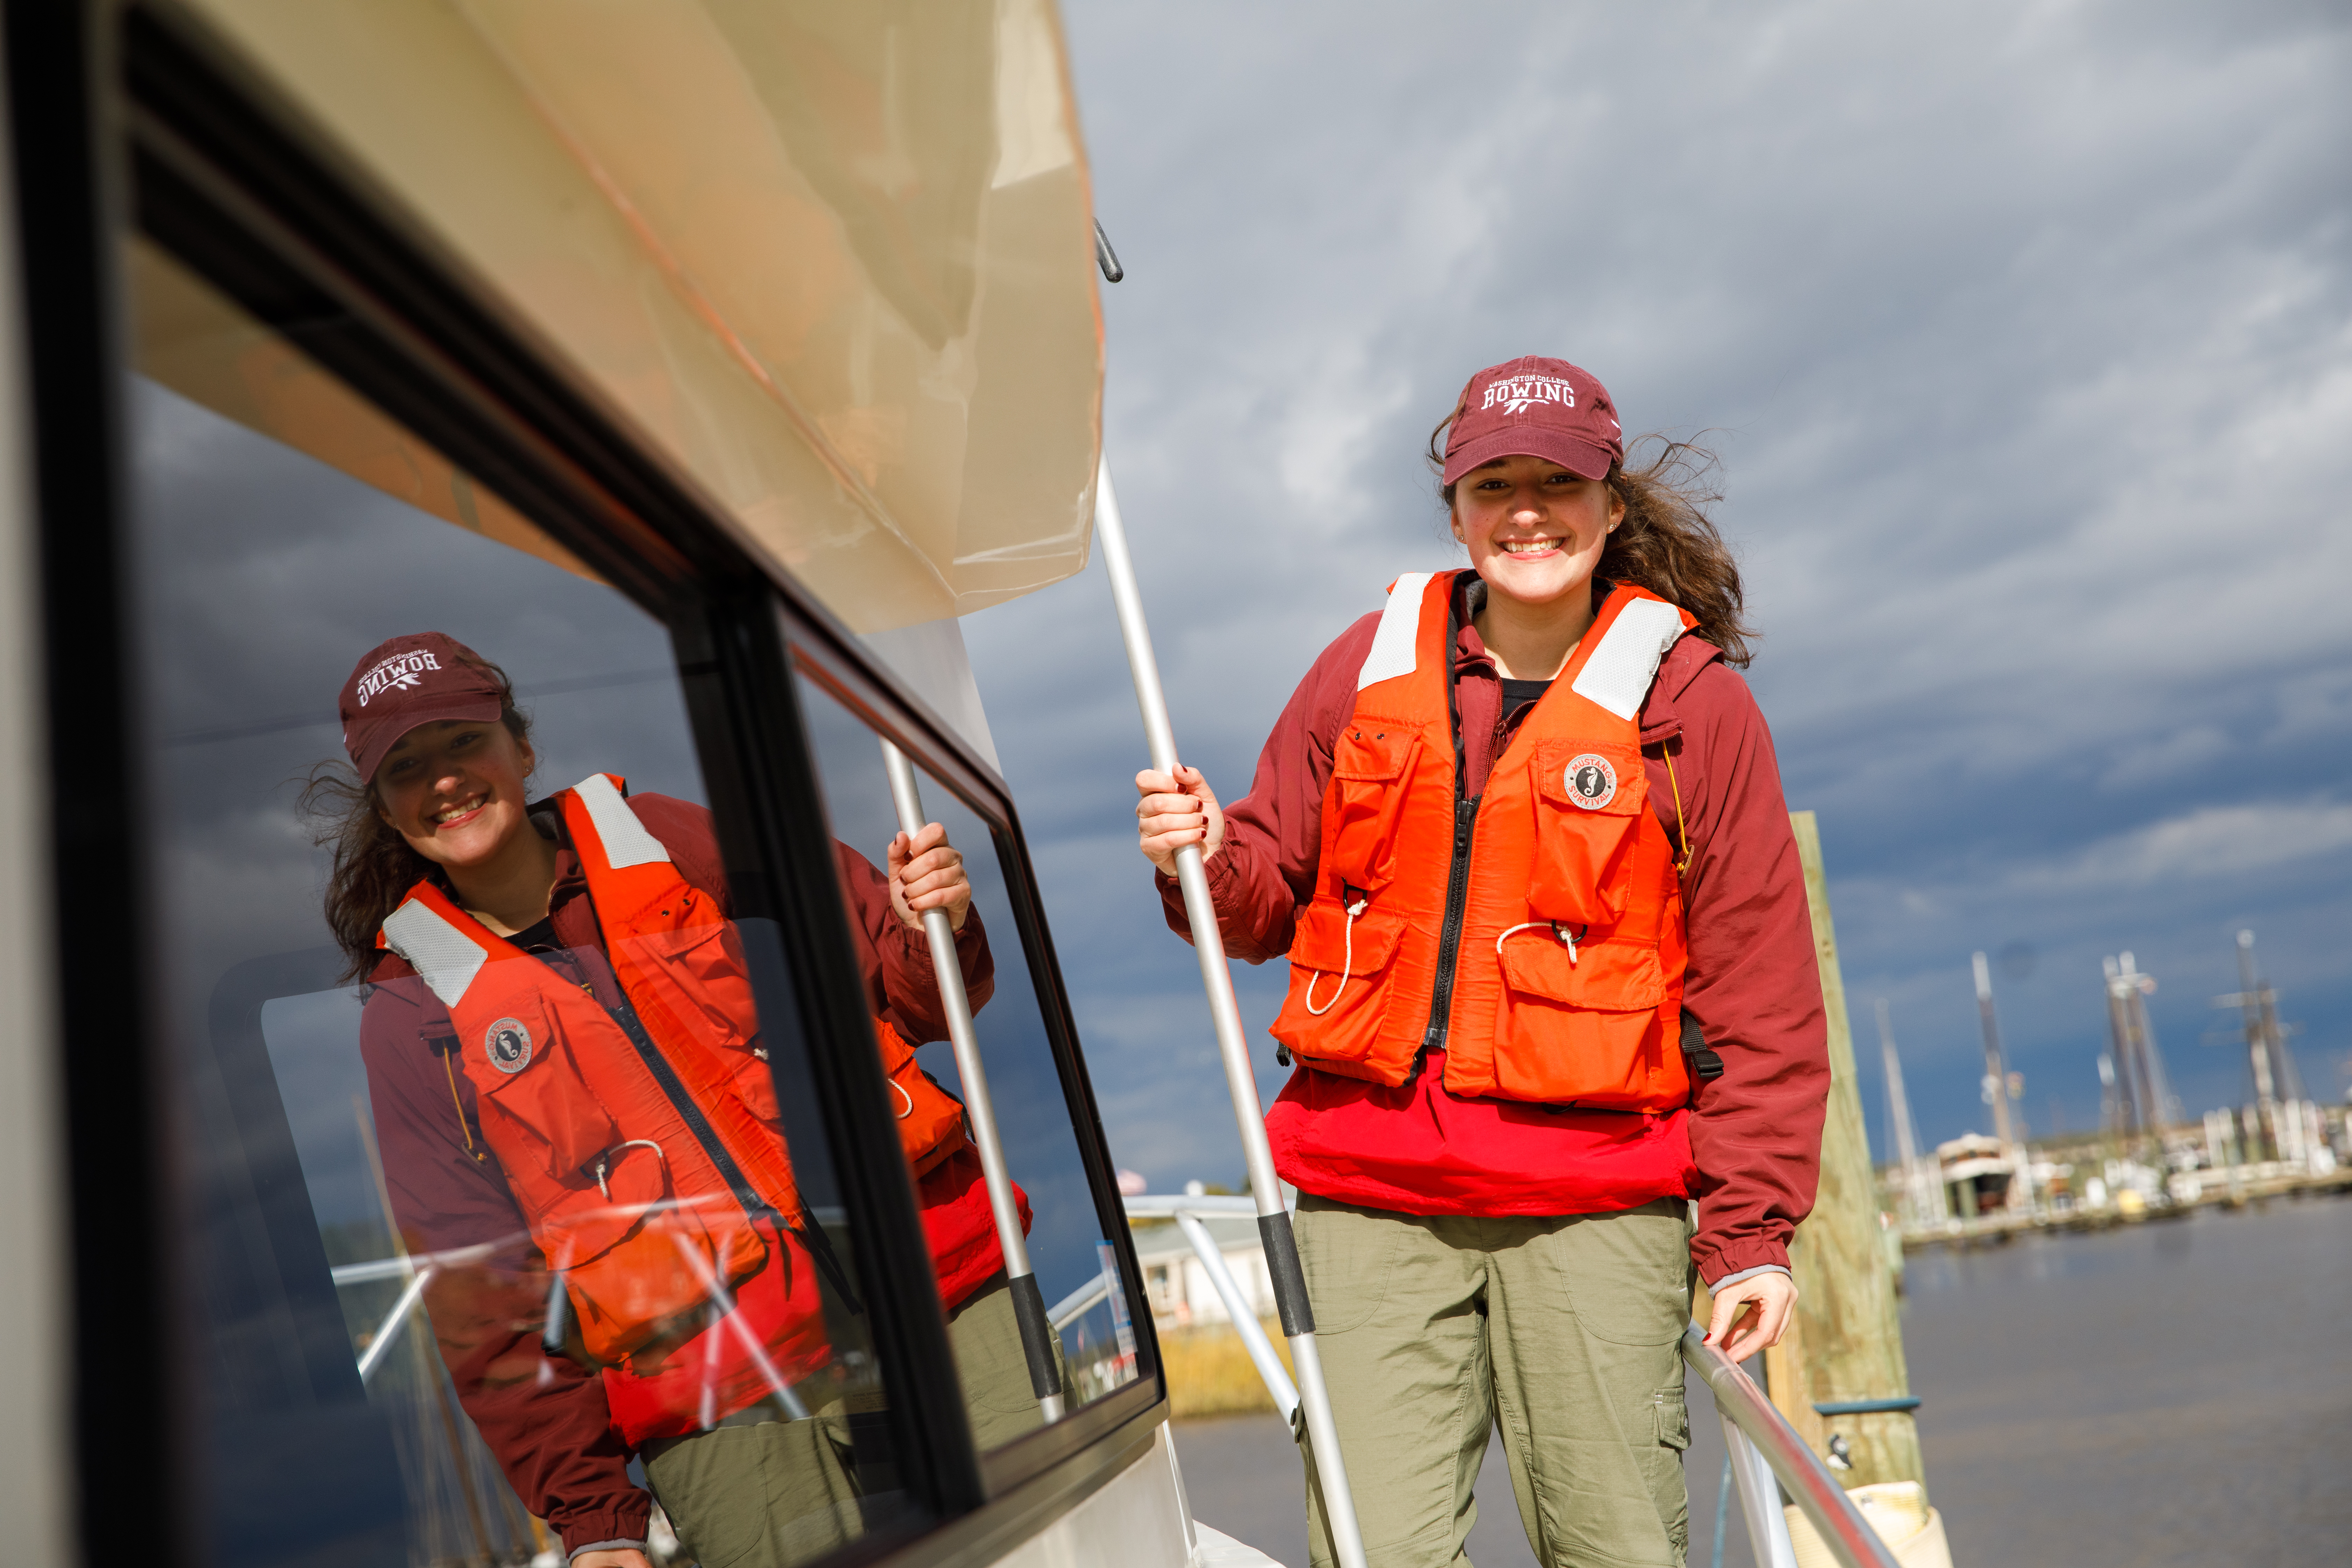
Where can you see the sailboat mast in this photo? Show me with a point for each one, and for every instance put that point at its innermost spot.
(1996, 1064)
(1898, 1103)
(2250, 1006)
(1921, 1189)
(2120, 1033)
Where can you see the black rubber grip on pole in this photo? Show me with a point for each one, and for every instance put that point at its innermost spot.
(1289, 1279)
(1036, 1336)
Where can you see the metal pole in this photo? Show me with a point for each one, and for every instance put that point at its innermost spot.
(1760, 1500)
(1028, 1305)
(1261, 1349)
(1249, 1116)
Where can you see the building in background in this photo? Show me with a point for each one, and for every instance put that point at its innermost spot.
(1177, 1285)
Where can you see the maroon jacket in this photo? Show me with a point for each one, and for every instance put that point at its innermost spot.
(544, 1416)
(1754, 1133)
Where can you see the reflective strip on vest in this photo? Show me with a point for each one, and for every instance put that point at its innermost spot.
(626, 841)
(447, 958)
(1393, 644)
(1618, 674)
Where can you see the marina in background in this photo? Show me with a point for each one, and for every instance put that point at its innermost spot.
(2148, 1159)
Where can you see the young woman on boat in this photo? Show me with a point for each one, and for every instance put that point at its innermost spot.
(565, 1069)
(1521, 836)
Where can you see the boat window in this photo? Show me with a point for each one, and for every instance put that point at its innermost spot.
(502, 1204)
(1063, 1217)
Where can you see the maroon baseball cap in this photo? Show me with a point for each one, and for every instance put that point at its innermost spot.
(407, 682)
(1542, 407)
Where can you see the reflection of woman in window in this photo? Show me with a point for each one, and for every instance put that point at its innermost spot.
(560, 1046)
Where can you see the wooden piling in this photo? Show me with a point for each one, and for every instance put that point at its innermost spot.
(1846, 1342)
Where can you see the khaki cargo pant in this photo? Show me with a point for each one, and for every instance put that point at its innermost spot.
(762, 1492)
(1433, 1327)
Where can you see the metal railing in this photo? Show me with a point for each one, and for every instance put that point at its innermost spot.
(1768, 1457)
(1765, 1449)
(1186, 1212)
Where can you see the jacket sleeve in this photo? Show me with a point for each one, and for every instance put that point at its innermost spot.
(1264, 873)
(1753, 982)
(894, 959)
(543, 1417)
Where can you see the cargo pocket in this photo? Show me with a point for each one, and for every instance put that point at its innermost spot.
(1337, 1001)
(1626, 1277)
(1580, 1024)
(1348, 1256)
(1589, 797)
(1664, 1466)
(1672, 1414)
(1370, 767)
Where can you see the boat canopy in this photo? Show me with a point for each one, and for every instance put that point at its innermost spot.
(835, 262)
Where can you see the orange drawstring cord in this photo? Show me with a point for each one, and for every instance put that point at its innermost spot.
(1682, 828)
(450, 1066)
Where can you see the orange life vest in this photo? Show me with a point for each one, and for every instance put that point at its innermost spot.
(645, 1145)
(1536, 931)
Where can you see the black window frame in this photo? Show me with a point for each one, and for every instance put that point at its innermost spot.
(133, 118)
(828, 656)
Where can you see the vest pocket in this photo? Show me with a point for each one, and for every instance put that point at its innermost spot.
(1580, 1028)
(1338, 991)
(929, 1119)
(655, 1285)
(701, 976)
(534, 1088)
(643, 1266)
(1589, 798)
(700, 972)
(1370, 767)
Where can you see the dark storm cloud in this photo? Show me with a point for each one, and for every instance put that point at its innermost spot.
(2024, 332)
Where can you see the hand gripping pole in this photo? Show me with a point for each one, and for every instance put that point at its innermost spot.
(1207, 943)
(1028, 1305)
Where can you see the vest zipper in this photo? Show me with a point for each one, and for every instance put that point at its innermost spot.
(812, 1234)
(1449, 935)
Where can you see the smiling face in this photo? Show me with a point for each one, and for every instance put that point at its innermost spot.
(454, 789)
(1534, 530)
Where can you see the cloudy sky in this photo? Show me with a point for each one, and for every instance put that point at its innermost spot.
(2024, 332)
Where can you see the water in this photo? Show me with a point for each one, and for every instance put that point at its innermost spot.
(2173, 1393)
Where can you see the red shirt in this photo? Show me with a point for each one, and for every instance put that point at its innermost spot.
(544, 1416)
(1747, 1147)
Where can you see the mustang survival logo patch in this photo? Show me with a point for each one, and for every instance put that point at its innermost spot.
(1591, 783)
(508, 1045)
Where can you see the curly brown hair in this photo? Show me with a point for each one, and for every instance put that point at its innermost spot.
(1667, 542)
(373, 866)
